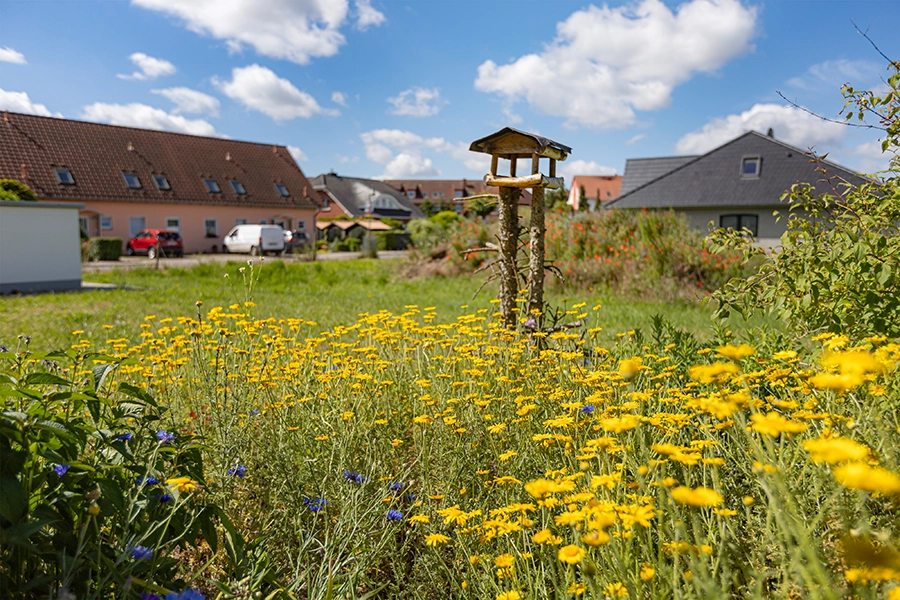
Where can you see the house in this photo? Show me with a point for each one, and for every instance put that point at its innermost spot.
(596, 190)
(738, 184)
(355, 197)
(332, 230)
(129, 179)
(449, 192)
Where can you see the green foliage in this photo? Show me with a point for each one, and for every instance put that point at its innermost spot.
(392, 240)
(424, 233)
(480, 206)
(428, 208)
(101, 249)
(446, 218)
(392, 223)
(838, 269)
(13, 190)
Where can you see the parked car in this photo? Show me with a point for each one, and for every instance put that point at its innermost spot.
(295, 241)
(148, 241)
(254, 239)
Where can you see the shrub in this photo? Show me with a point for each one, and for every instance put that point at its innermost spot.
(102, 249)
(13, 190)
(446, 218)
(392, 240)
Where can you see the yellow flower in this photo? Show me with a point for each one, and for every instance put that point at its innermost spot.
(716, 372)
(860, 476)
(619, 424)
(839, 382)
(736, 352)
(419, 519)
(93, 509)
(512, 595)
(595, 538)
(629, 368)
(647, 572)
(700, 496)
(542, 536)
(835, 450)
(570, 554)
(576, 588)
(182, 484)
(435, 539)
(774, 424)
(853, 363)
(616, 590)
(504, 560)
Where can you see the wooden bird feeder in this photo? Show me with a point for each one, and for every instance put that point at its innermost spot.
(511, 144)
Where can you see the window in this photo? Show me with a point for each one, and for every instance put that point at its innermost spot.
(458, 207)
(64, 176)
(750, 222)
(238, 187)
(212, 227)
(84, 224)
(136, 224)
(240, 222)
(282, 190)
(457, 194)
(212, 186)
(106, 223)
(132, 181)
(437, 195)
(173, 224)
(161, 182)
(411, 194)
(750, 167)
(326, 202)
(301, 225)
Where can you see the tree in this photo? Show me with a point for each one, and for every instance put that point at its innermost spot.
(10, 189)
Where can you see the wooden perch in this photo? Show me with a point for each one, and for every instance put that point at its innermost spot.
(528, 181)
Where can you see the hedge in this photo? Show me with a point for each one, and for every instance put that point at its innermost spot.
(101, 249)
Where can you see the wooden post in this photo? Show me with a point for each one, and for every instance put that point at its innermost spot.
(494, 158)
(508, 238)
(536, 233)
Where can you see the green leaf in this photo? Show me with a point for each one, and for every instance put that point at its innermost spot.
(99, 373)
(44, 379)
(13, 503)
(137, 393)
(885, 274)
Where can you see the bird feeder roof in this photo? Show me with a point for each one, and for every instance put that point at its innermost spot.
(512, 143)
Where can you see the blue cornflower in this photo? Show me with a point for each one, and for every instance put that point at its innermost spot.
(61, 470)
(149, 596)
(164, 436)
(3, 349)
(163, 498)
(394, 515)
(315, 504)
(530, 323)
(146, 480)
(124, 437)
(588, 408)
(355, 476)
(254, 412)
(409, 497)
(188, 594)
(141, 553)
(239, 470)
(396, 486)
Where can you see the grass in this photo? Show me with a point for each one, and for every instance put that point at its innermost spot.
(329, 293)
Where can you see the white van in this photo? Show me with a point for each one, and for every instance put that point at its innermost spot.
(254, 239)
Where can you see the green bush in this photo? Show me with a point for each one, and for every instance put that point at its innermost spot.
(10, 189)
(392, 240)
(446, 218)
(102, 249)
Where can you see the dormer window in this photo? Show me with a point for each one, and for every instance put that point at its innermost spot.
(212, 186)
(411, 194)
(161, 182)
(132, 181)
(64, 176)
(238, 187)
(282, 190)
(750, 167)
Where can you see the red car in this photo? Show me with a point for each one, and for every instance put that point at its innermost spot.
(148, 240)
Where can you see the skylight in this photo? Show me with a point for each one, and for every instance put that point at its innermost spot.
(238, 187)
(212, 186)
(750, 167)
(132, 181)
(64, 176)
(282, 190)
(161, 182)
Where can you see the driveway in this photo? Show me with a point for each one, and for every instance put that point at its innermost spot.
(192, 260)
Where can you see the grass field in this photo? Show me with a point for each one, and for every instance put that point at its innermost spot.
(329, 293)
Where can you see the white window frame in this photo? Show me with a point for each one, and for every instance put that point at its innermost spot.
(215, 227)
(156, 182)
(126, 175)
(170, 228)
(240, 222)
(301, 225)
(755, 175)
(131, 228)
(84, 223)
(106, 223)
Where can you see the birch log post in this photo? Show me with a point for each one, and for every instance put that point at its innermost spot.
(508, 238)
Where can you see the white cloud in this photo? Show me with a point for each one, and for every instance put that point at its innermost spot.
(146, 117)
(582, 167)
(403, 153)
(791, 125)
(347, 159)
(635, 139)
(831, 74)
(339, 98)
(868, 157)
(286, 29)
(261, 89)
(150, 67)
(190, 101)
(366, 16)
(417, 102)
(9, 55)
(605, 63)
(297, 154)
(20, 102)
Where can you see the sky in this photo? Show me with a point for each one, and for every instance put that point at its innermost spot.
(399, 88)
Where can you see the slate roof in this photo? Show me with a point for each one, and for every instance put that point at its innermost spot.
(353, 193)
(98, 154)
(639, 171)
(714, 179)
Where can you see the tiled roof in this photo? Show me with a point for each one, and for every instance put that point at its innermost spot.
(447, 188)
(353, 193)
(639, 171)
(603, 187)
(97, 155)
(714, 179)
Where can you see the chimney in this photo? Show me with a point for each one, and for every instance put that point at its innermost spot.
(130, 147)
(6, 116)
(228, 156)
(23, 171)
(274, 149)
(771, 133)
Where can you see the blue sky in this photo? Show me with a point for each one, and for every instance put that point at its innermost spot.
(399, 88)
